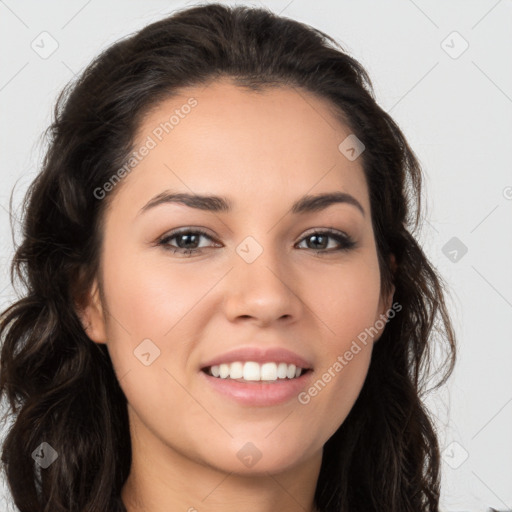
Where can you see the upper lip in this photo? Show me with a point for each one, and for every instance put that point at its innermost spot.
(259, 355)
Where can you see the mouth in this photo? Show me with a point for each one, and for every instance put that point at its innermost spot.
(253, 372)
(208, 371)
(254, 392)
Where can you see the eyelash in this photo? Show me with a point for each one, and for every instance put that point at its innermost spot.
(345, 241)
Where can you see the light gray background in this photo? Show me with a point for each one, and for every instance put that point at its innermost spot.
(457, 116)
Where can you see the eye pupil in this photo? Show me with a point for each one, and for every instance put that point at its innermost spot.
(187, 237)
(317, 237)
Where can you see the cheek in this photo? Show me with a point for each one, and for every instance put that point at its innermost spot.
(346, 307)
(144, 302)
(346, 304)
(345, 299)
(149, 298)
(148, 308)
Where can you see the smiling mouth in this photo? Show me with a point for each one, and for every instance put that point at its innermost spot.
(251, 385)
(254, 378)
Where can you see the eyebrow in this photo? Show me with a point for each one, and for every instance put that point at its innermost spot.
(306, 204)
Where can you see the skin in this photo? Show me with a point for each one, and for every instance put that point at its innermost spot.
(262, 150)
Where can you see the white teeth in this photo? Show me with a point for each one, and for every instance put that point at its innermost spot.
(282, 370)
(253, 371)
(224, 371)
(236, 370)
(268, 371)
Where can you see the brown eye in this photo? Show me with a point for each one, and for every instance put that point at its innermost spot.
(319, 241)
(187, 241)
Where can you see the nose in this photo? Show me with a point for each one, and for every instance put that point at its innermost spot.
(264, 291)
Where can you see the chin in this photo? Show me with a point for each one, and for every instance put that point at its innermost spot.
(258, 458)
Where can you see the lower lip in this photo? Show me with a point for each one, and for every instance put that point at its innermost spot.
(259, 393)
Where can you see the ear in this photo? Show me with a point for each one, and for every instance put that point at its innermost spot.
(90, 312)
(386, 300)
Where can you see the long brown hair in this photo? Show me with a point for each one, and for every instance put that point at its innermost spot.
(61, 387)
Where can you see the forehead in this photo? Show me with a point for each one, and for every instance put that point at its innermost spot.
(257, 145)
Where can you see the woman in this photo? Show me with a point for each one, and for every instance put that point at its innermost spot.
(225, 307)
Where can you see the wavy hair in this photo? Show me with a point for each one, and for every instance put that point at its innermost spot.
(61, 387)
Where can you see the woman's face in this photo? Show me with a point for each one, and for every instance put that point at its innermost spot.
(257, 279)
